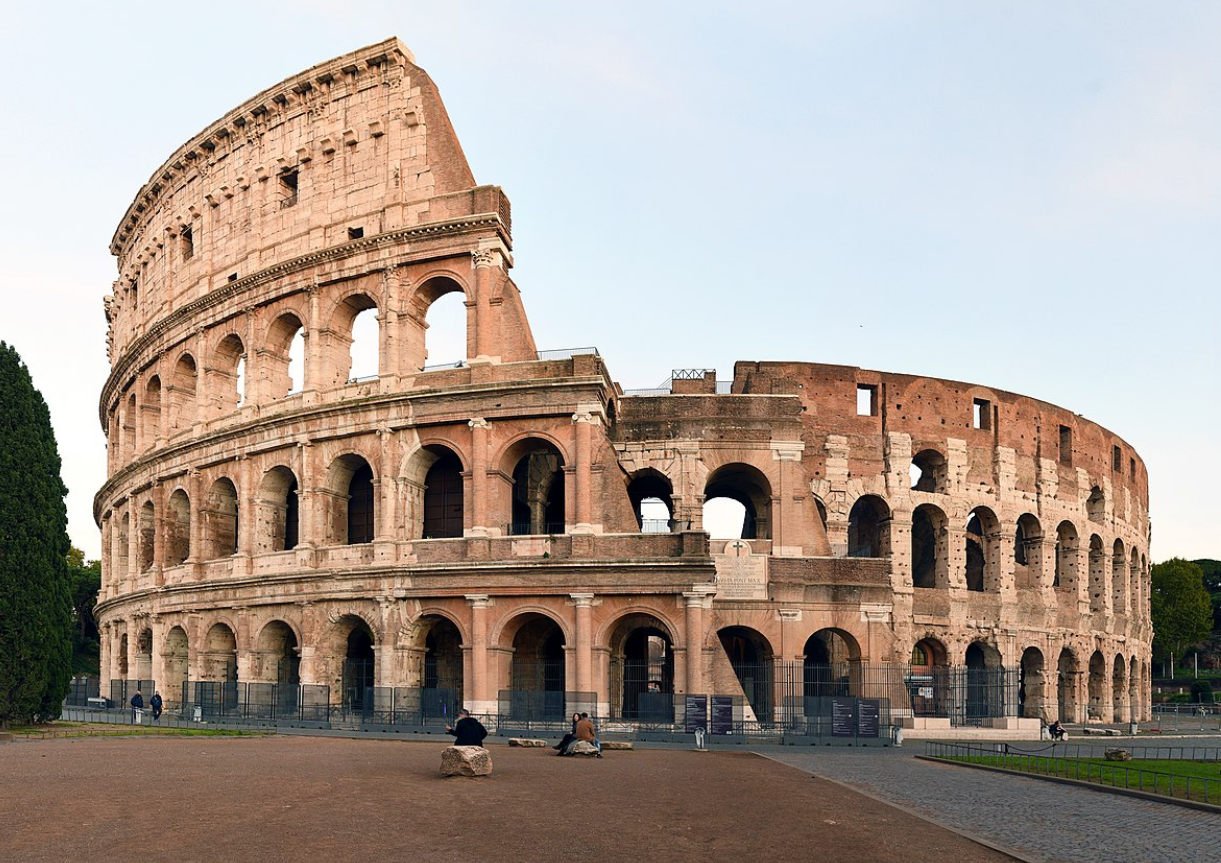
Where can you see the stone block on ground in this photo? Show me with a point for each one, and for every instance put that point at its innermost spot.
(1118, 755)
(466, 761)
(583, 747)
(608, 745)
(527, 742)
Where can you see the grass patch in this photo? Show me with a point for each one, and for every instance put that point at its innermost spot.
(1173, 778)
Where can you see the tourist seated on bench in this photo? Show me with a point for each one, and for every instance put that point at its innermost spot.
(1056, 730)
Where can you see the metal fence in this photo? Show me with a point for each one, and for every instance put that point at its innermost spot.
(1114, 774)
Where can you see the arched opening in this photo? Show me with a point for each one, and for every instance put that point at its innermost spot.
(868, 522)
(929, 559)
(751, 657)
(1066, 685)
(1098, 574)
(642, 670)
(279, 511)
(350, 501)
(359, 667)
(176, 662)
(220, 520)
(1066, 557)
(442, 681)
(147, 538)
(1095, 506)
(1097, 686)
(747, 486)
(1119, 691)
(445, 335)
(228, 374)
(443, 495)
(982, 550)
(178, 528)
(1030, 684)
(282, 363)
(182, 398)
(928, 679)
(1119, 578)
(151, 412)
(985, 683)
(364, 354)
(1027, 553)
(652, 497)
(537, 676)
(828, 666)
(928, 472)
(538, 489)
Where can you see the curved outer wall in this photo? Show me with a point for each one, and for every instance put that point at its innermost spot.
(259, 521)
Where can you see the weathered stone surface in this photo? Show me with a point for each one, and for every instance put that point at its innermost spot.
(583, 748)
(607, 745)
(466, 761)
(1118, 755)
(527, 742)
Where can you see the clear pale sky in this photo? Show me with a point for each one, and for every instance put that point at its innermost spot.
(1023, 195)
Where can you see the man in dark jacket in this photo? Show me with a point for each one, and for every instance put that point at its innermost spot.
(469, 731)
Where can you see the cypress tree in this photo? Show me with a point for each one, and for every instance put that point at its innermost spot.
(35, 594)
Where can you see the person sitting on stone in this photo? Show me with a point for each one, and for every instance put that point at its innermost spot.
(585, 732)
(468, 731)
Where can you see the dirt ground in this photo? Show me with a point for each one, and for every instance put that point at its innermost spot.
(301, 799)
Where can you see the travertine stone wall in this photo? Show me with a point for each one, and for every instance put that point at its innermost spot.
(480, 521)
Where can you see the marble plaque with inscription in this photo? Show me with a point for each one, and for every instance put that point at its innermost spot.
(740, 574)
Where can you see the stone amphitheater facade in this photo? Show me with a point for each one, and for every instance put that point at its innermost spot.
(485, 526)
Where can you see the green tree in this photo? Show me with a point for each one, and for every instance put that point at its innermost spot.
(35, 594)
(1180, 607)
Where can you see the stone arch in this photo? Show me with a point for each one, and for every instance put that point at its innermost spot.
(641, 667)
(1067, 540)
(751, 657)
(930, 550)
(652, 495)
(175, 663)
(227, 374)
(1028, 553)
(831, 659)
(537, 494)
(285, 336)
(220, 520)
(1119, 690)
(1067, 674)
(1119, 578)
(150, 412)
(1097, 686)
(277, 511)
(983, 534)
(183, 389)
(749, 487)
(177, 528)
(1031, 681)
(929, 472)
(869, 527)
(350, 500)
(1098, 574)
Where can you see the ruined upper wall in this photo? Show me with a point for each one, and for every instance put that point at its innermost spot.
(366, 134)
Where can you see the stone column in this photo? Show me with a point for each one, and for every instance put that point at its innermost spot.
(479, 478)
(584, 646)
(482, 701)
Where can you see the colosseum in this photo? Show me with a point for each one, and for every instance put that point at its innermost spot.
(284, 537)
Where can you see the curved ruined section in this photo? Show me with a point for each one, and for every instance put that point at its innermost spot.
(313, 500)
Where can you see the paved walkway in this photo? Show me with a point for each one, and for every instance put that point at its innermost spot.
(1035, 819)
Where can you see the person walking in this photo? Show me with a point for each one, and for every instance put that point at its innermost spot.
(468, 731)
(586, 732)
(156, 704)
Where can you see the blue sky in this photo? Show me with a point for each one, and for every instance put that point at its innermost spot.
(1024, 195)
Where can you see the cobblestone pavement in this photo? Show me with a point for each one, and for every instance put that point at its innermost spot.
(1033, 818)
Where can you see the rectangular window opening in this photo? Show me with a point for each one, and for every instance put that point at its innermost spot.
(1116, 458)
(981, 417)
(356, 233)
(866, 400)
(1066, 445)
